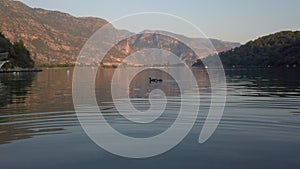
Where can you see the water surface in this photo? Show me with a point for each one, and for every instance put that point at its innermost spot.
(259, 129)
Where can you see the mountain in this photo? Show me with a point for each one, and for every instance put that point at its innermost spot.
(55, 38)
(275, 50)
(52, 37)
(167, 41)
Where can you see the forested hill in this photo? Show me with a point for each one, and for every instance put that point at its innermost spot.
(275, 50)
(16, 53)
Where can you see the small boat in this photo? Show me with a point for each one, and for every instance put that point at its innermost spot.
(154, 80)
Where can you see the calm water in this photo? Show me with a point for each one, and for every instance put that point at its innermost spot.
(260, 127)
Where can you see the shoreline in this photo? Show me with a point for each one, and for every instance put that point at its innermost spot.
(18, 70)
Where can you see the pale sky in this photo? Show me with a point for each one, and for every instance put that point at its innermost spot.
(230, 20)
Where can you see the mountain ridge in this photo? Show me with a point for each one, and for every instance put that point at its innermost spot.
(51, 36)
(55, 38)
(281, 49)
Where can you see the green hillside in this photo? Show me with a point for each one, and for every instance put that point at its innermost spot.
(275, 50)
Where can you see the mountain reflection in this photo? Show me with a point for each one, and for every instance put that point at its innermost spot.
(266, 82)
(41, 104)
(29, 104)
(15, 86)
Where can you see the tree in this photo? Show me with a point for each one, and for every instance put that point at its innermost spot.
(21, 57)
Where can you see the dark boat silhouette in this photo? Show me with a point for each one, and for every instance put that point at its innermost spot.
(154, 80)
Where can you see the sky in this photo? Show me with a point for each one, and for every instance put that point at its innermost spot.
(229, 20)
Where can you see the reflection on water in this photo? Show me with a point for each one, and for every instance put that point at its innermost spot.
(259, 129)
(15, 86)
(13, 91)
(266, 82)
(139, 90)
(34, 104)
(265, 99)
(140, 87)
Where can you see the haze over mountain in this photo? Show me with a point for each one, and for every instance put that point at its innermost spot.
(55, 38)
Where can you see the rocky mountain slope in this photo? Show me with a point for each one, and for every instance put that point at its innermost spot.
(55, 38)
(169, 42)
(52, 37)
